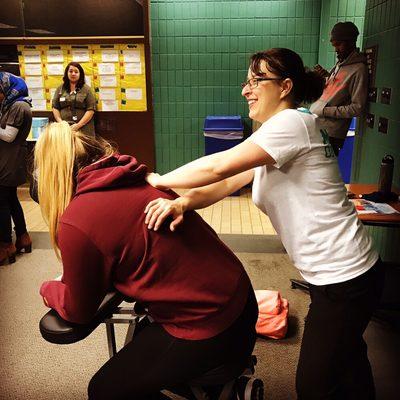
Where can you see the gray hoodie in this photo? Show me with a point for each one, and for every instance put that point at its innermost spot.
(344, 96)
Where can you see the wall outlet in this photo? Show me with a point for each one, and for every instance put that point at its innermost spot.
(372, 93)
(386, 94)
(370, 119)
(383, 125)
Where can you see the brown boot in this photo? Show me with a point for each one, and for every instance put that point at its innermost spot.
(7, 251)
(23, 242)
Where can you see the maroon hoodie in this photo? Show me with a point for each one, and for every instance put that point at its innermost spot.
(190, 281)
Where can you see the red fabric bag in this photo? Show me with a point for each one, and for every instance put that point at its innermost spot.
(273, 314)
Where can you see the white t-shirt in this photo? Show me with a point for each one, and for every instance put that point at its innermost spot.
(306, 201)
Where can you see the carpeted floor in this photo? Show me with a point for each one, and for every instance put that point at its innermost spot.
(36, 370)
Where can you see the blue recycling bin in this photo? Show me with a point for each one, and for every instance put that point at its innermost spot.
(222, 133)
(345, 157)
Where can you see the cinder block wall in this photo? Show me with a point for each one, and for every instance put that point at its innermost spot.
(200, 52)
(333, 11)
(382, 28)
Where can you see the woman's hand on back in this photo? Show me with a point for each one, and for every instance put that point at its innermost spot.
(157, 211)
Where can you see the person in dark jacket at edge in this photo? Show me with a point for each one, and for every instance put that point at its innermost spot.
(346, 89)
(193, 286)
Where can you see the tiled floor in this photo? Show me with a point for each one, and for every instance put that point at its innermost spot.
(235, 214)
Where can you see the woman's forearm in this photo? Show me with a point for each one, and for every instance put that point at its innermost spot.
(57, 115)
(200, 172)
(214, 168)
(205, 196)
(158, 210)
(85, 119)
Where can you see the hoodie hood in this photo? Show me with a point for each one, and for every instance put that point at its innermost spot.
(354, 57)
(111, 172)
(14, 89)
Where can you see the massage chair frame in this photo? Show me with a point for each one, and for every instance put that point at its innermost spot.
(56, 330)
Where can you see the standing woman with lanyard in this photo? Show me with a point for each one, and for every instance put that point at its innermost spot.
(15, 124)
(296, 182)
(74, 101)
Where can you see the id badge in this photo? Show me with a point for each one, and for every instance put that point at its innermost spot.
(62, 98)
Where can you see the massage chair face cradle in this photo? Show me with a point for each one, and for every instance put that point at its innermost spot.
(115, 310)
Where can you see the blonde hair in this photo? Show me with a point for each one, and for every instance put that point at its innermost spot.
(60, 153)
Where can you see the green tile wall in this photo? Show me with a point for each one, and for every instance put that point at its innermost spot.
(382, 28)
(333, 11)
(200, 52)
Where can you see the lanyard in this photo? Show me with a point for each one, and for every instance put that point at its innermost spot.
(73, 107)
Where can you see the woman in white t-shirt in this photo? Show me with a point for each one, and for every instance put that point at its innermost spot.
(296, 182)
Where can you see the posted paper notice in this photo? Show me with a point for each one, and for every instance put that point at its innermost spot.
(81, 55)
(134, 68)
(55, 56)
(107, 94)
(34, 81)
(31, 56)
(131, 55)
(109, 105)
(36, 93)
(55, 69)
(133, 94)
(108, 81)
(106, 68)
(33, 69)
(109, 55)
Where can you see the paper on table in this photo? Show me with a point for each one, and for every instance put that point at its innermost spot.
(36, 93)
(31, 56)
(109, 105)
(134, 68)
(81, 55)
(106, 68)
(106, 94)
(131, 55)
(133, 94)
(369, 207)
(109, 55)
(34, 81)
(33, 69)
(55, 69)
(55, 56)
(108, 80)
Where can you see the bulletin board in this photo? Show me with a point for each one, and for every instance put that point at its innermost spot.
(115, 72)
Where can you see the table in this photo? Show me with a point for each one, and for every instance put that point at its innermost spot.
(385, 220)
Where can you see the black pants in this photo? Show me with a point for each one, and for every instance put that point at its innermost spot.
(333, 360)
(154, 360)
(10, 207)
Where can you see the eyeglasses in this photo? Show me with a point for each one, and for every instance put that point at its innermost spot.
(253, 82)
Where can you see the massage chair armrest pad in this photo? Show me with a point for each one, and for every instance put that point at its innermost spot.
(56, 330)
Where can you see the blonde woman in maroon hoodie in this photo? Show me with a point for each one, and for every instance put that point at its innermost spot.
(193, 286)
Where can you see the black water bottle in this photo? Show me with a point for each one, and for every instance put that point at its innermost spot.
(386, 175)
